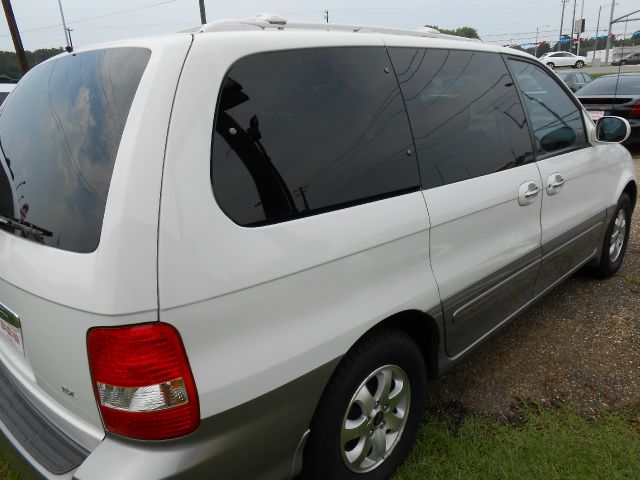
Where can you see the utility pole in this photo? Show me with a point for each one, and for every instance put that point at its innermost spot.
(606, 57)
(326, 15)
(203, 13)
(67, 34)
(595, 48)
(573, 25)
(580, 29)
(15, 36)
(564, 2)
(535, 53)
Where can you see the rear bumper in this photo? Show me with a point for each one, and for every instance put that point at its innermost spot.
(28, 433)
(262, 439)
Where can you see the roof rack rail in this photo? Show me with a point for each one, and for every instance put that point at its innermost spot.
(270, 21)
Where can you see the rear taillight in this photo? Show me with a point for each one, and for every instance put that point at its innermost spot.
(635, 111)
(142, 381)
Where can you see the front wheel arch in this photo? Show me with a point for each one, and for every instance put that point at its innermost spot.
(631, 189)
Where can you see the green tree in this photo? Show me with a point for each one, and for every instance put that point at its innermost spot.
(467, 32)
(9, 68)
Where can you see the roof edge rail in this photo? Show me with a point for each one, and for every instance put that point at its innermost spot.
(270, 21)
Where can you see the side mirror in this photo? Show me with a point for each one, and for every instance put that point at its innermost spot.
(612, 130)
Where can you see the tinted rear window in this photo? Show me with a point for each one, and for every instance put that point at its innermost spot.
(627, 85)
(59, 136)
(3, 95)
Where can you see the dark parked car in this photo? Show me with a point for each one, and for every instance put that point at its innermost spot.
(575, 80)
(617, 95)
(631, 59)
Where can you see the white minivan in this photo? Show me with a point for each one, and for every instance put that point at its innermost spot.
(241, 252)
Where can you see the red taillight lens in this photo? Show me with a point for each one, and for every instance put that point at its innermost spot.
(635, 111)
(142, 381)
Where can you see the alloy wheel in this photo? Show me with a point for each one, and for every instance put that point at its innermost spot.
(375, 418)
(618, 236)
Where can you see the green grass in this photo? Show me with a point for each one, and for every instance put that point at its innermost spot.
(549, 444)
(634, 280)
(6, 472)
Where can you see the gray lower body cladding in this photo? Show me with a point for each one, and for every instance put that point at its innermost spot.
(261, 439)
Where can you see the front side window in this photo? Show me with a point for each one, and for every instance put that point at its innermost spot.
(301, 132)
(556, 121)
(465, 113)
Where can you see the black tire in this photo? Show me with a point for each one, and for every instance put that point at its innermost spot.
(551, 65)
(579, 64)
(623, 62)
(323, 454)
(607, 267)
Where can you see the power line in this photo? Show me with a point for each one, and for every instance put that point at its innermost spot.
(88, 19)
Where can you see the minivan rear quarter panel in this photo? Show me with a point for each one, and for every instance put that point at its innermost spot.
(259, 307)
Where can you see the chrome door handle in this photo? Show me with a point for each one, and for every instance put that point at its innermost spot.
(532, 193)
(555, 183)
(528, 192)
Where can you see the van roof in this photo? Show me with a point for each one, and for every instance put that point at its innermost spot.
(408, 37)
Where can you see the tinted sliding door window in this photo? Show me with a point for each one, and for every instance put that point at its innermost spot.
(305, 131)
(556, 120)
(465, 112)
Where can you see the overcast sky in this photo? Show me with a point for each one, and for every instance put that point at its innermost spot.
(497, 21)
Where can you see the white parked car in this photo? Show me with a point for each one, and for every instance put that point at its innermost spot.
(242, 252)
(563, 59)
(5, 90)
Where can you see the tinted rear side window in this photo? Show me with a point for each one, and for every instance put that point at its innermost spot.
(465, 113)
(306, 131)
(60, 131)
(3, 95)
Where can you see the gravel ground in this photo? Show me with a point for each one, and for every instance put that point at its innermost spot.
(579, 345)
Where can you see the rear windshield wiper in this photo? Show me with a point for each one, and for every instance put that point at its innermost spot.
(24, 226)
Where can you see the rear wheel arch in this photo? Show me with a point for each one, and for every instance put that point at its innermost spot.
(423, 329)
(418, 325)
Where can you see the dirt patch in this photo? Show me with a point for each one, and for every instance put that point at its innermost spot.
(579, 345)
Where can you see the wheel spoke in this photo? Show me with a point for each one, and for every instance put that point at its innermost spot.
(379, 444)
(385, 378)
(392, 422)
(354, 429)
(399, 395)
(361, 451)
(365, 400)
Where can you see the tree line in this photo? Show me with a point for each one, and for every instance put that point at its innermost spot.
(9, 68)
